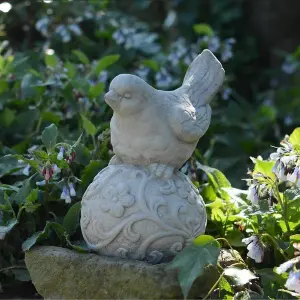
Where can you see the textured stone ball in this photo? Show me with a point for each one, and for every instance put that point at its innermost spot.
(128, 212)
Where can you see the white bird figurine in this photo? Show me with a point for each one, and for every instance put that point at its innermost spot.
(160, 129)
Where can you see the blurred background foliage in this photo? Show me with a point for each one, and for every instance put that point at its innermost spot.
(58, 57)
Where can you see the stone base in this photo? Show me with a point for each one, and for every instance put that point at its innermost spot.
(60, 273)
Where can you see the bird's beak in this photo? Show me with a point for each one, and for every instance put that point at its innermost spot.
(111, 99)
(110, 96)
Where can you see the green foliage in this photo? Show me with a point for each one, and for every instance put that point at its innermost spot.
(54, 130)
(191, 261)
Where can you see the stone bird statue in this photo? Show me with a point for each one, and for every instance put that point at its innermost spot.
(161, 128)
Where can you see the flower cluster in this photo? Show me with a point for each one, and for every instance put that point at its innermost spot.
(293, 281)
(286, 169)
(68, 192)
(49, 171)
(69, 155)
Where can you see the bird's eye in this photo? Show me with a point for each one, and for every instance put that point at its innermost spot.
(127, 95)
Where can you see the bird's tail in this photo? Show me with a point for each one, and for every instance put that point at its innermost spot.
(203, 78)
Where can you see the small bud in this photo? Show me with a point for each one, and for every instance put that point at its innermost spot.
(60, 154)
(72, 190)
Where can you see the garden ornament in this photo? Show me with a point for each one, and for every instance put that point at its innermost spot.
(141, 206)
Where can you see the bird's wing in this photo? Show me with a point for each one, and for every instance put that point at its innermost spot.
(188, 123)
(203, 79)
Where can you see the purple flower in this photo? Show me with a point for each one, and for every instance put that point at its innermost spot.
(226, 93)
(72, 190)
(214, 44)
(65, 195)
(294, 177)
(27, 170)
(255, 248)
(289, 66)
(253, 194)
(142, 72)
(293, 282)
(60, 154)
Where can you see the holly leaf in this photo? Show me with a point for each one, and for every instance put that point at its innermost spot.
(71, 219)
(191, 261)
(49, 136)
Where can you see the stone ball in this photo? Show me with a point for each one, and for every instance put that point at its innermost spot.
(130, 213)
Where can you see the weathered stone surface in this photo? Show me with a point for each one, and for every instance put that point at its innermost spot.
(60, 273)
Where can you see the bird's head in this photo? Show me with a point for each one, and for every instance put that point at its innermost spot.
(127, 94)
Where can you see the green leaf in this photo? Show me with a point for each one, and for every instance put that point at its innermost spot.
(41, 155)
(4, 230)
(81, 56)
(264, 167)
(50, 117)
(77, 142)
(40, 236)
(152, 64)
(24, 191)
(49, 136)
(204, 29)
(105, 62)
(7, 117)
(21, 274)
(71, 219)
(51, 60)
(91, 170)
(224, 285)
(96, 90)
(31, 241)
(9, 164)
(88, 126)
(208, 193)
(295, 238)
(294, 138)
(71, 69)
(239, 276)
(33, 196)
(83, 155)
(192, 261)
(3, 86)
(27, 86)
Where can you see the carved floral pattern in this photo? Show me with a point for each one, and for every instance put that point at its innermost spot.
(172, 206)
(115, 199)
(186, 191)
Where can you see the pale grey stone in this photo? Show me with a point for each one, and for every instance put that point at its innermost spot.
(141, 206)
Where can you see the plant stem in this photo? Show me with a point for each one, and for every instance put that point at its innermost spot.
(12, 267)
(221, 276)
(275, 244)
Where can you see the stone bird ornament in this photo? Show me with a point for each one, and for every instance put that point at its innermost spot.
(161, 129)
